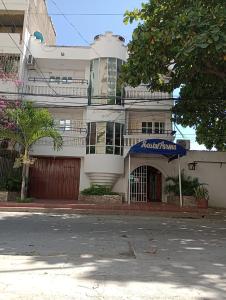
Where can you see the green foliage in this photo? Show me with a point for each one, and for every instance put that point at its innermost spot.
(208, 118)
(98, 190)
(188, 185)
(11, 182)
(14, 184)
(31, 125)
(201, 192)
(3, 184)
(25, 200)
(185, 41)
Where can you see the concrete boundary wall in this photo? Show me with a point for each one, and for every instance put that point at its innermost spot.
(210, 169)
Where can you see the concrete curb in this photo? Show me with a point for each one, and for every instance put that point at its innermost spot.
(170, 214)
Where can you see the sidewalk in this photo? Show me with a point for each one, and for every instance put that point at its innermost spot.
(158, 209)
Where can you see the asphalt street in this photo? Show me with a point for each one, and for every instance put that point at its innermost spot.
(68, 257)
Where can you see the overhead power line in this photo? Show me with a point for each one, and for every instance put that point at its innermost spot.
(80, 14)
(69, 22)
(13, 24)
(74, 27)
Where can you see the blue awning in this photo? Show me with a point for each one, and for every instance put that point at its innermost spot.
(159, 146)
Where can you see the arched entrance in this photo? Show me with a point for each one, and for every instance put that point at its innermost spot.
(146, 185)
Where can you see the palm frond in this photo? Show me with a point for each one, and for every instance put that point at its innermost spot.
(187, 182)
(48, 133)
(33, 124)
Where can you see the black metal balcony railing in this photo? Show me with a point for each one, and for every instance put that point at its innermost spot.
(149, 132)
(9, 66)
(60, 80)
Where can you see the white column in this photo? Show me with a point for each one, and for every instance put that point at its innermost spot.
(129, 181)
(180, 188)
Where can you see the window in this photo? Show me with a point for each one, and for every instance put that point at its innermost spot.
(110, 138)
(52, 79)
(65, 125)
(146, 127)
(69, 80)
(117, 138)
(64, 79)
(104, 76)
(159, 127)
(105, 138)
(57, 79)
(101, 137)
(91, 138)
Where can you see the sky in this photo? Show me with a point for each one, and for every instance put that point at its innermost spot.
(87, 18)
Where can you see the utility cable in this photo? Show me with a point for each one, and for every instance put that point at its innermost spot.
(13, 24)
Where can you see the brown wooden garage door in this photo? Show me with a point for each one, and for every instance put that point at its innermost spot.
(55, 178)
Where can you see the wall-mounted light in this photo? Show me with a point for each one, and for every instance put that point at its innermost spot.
(192, 166)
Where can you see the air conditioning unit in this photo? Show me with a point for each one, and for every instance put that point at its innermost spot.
(31, 62)
(184, 143)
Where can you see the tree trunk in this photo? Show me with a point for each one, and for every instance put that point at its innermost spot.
(24, 185)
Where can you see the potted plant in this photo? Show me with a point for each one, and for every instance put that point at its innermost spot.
(202, 196)
(9, 187)
(99, 194)
(188, 186)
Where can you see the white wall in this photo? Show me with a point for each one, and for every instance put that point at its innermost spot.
(58, 52)
(14, 4)
(84, 179)
(103, 169)
(108, 45)
(6, 86)
(213, 174)
(8, 46)
(210, 171)
(67, 151)
(103, 114)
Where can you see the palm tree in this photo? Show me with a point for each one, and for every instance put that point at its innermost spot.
(28, 125)
(188, 184)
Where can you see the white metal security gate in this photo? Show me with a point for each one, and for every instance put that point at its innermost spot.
(139, 184)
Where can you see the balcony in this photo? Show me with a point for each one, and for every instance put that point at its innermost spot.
(72, 128)
(68, 141)
(141, 97)
(54, 89)
(9, 66)
(8, 86)
(74, 140)
(72, 146)
(53, 94)
(133, 137)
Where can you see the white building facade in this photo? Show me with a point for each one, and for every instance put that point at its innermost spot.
(99, 120)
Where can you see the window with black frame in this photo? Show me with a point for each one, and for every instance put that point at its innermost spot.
(65, 125)
(159, 127)
(146, 127)
(110, 138)
(91, 138)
